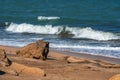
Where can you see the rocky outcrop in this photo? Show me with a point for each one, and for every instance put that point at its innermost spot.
(115, 77)
(99, 63)
(13, 68)
(5, 63)
(71, 59)
(22, 69)
(37, 50)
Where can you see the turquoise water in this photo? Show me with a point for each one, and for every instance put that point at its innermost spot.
(90, 26)
(87, 12)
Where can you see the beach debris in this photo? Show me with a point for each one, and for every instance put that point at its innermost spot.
(37, 50)
(115, 77)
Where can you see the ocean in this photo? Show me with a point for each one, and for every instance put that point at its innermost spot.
(87, 26)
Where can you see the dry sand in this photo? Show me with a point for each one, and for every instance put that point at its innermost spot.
(57, 68)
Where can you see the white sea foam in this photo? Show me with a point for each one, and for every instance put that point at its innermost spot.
(92, 34)
(47, 18)
(84, 47)
(29, 28)
(9, 42)
(6, 23)
(49, 29)
(94, 50)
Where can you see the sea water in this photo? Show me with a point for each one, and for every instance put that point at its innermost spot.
(88, 26)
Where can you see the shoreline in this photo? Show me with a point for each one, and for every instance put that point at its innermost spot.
(74, 54)
(89, 56)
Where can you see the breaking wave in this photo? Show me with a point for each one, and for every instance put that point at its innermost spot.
(47, 18)
(76, 32)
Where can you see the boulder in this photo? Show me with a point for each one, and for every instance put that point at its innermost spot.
(37, 50)
(115, 77)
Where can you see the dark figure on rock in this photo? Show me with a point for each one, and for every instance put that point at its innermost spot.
(46, 51)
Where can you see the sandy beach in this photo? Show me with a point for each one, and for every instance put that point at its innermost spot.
(57, 68)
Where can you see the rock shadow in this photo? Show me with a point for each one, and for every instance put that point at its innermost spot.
(51, 59)
(2, 72)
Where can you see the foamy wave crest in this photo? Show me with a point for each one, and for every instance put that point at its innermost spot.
(93, 34)
(29, 28)
(47, 18)
(77, 32)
